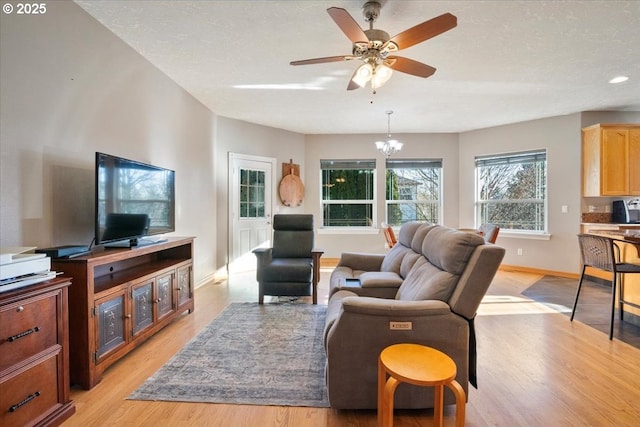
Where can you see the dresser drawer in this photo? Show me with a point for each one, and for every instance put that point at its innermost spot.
(27, 328)
(30, 395)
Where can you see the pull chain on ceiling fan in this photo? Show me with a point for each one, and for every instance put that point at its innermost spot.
(376, 49)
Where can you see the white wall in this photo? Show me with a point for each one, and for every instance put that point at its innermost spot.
(440, 146)
(69, 88)
(561, 137)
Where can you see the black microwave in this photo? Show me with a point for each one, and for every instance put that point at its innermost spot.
(621, 214)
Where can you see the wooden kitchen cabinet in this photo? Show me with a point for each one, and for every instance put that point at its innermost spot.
(121, 297)
(611, 160)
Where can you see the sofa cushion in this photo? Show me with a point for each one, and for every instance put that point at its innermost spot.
(408, 262)
(408, 231)
(450, 249)
(288, 270)
(420, 235)
(393, 259)
(427, 282)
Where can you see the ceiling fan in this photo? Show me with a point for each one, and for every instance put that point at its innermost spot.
(376, 49)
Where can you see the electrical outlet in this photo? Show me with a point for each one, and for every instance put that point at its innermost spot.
(400, 326)
(520, 251)
(565, 209)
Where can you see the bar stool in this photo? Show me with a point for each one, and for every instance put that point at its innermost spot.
(422, 366)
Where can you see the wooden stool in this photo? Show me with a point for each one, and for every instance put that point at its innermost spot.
(418, 365)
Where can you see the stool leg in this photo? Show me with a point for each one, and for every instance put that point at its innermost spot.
(382, 378)
(437, 405)
(387, 404)
(460, 402)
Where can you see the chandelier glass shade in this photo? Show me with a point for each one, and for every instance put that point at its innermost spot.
(390, 146)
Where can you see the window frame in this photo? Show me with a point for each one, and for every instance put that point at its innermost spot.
(521, 157)
(415, 163)
(349, 164)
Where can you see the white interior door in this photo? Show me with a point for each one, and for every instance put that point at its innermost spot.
(251, 193)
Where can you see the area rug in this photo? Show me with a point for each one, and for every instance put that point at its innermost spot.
(251, 354)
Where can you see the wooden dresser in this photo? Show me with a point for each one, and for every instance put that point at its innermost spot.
(34, 355)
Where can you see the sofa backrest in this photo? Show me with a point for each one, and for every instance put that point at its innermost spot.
(401, 257)
(447, 254)
(450, 249)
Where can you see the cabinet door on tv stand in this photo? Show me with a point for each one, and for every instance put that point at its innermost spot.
(164, 297)
(184, 285)
(142, 306)
(110, 324)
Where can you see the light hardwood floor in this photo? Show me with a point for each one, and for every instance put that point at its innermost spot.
(535, 368)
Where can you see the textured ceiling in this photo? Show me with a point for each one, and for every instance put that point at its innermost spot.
(505, 62)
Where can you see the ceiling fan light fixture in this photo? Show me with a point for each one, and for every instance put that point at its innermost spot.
(363, 74)
(381, 75)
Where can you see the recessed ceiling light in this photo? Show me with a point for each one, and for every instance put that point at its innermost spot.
(619, 79)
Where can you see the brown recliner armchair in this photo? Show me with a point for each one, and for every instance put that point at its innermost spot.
(291, 267)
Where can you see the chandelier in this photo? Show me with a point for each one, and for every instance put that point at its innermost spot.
(389, 146)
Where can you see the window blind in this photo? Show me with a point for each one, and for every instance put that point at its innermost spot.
(512, 158)
(413, 163)
(348, 164)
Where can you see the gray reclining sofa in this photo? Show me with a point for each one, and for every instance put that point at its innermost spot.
(431, 284)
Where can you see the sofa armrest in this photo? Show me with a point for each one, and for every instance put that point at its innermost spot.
(380, 279)
(387, 307)
(361, 327)
(263, 254)
(377, 284)
(361, 261)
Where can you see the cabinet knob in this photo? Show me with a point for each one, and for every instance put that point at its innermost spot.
(20, 309)
(128, 316)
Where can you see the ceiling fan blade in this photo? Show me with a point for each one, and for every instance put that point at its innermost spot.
(409, 66)
(347, 24)
(424, 31)
(321, 60)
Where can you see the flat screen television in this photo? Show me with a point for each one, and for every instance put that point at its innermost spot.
(133, 200)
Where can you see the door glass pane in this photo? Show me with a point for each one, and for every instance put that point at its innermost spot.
(252, 193)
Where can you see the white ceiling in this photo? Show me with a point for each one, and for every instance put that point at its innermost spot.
(505, 62)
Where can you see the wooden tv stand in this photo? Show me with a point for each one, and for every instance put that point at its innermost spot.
(120, 297)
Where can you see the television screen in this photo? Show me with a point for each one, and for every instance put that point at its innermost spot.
(133, 200)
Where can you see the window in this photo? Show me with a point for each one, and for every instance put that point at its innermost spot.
(512, 190)
(348, 188)
(414, 189)
(252, 191)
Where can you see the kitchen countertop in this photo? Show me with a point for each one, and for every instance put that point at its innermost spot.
(620, 226)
